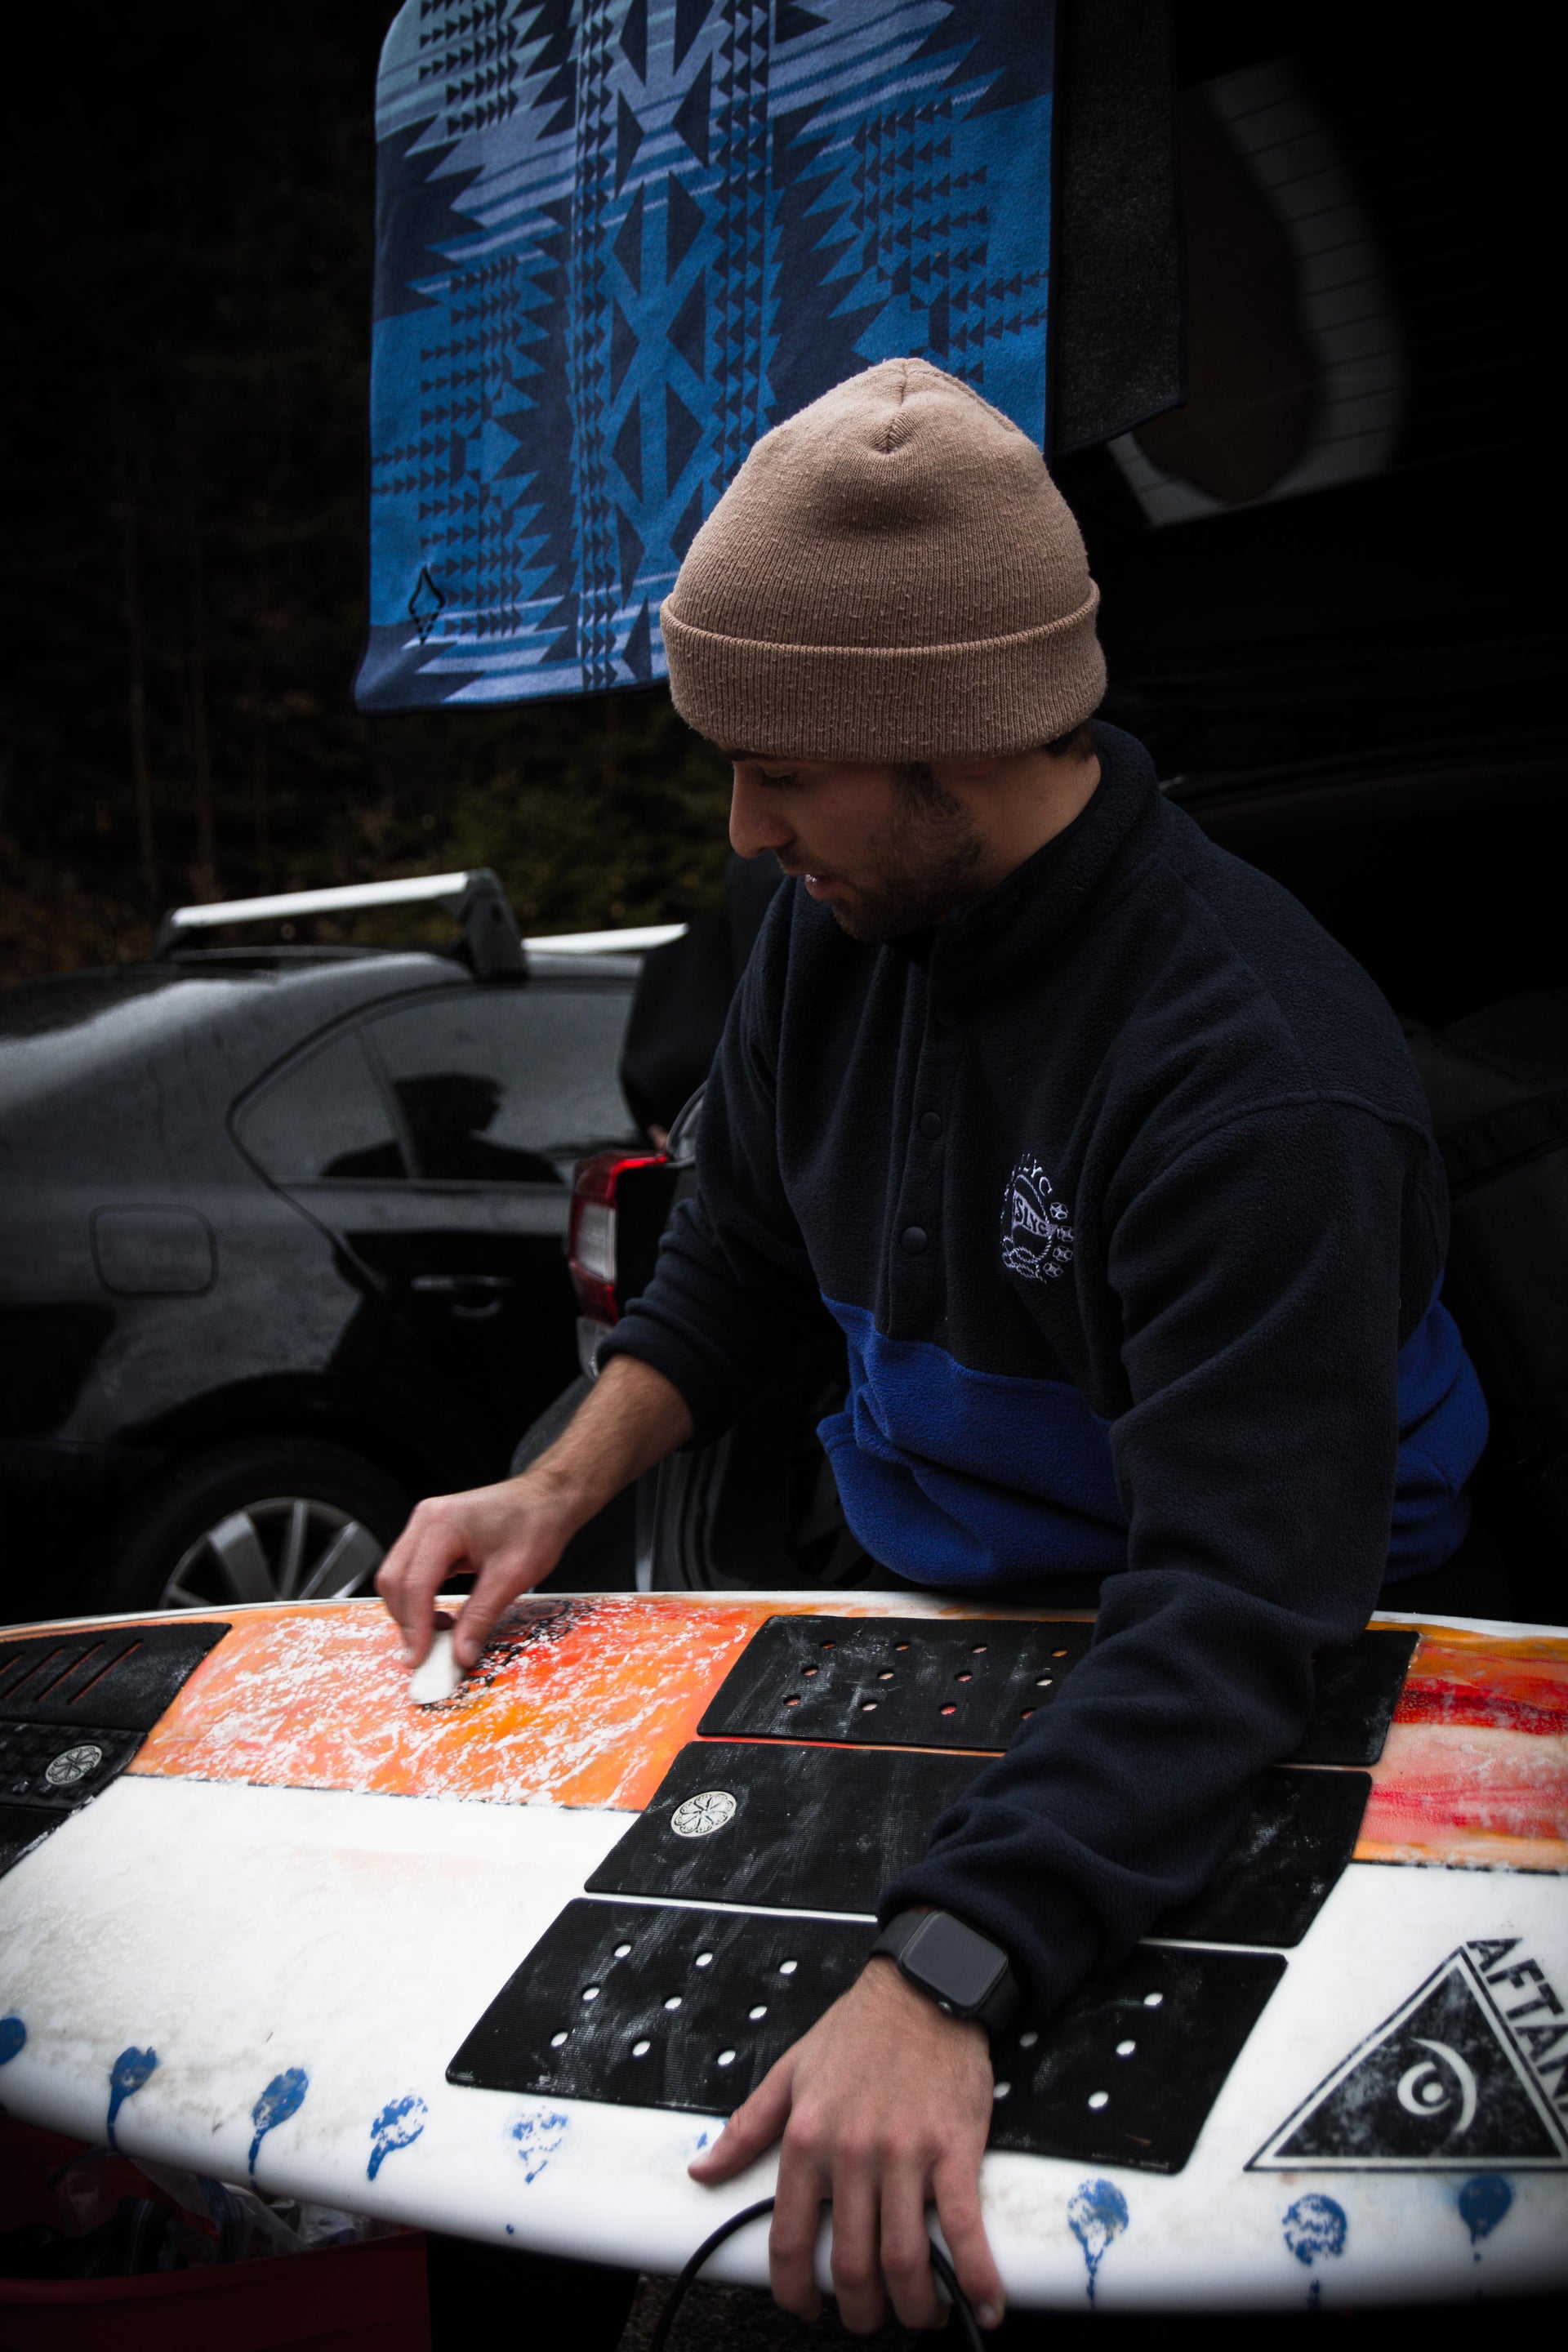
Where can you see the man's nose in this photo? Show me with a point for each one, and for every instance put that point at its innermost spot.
(756, 823)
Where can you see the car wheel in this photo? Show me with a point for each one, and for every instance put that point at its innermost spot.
(265, 1521)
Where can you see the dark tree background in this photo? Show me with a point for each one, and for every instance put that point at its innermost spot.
(185, 436)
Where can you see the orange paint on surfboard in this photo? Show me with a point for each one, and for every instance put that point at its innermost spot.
(587, 1701)
(576, 1702)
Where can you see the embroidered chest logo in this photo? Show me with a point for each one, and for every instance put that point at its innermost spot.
(1036, 1234)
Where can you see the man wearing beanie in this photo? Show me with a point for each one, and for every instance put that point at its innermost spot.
(1113, 1170)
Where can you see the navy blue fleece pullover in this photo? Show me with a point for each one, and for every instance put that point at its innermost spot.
(1121, 1187)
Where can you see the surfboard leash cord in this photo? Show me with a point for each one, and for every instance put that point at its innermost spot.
(968, 2326)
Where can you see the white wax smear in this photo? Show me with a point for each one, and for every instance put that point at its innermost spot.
(439, 1675)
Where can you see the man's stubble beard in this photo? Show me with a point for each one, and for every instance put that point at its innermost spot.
(925, 867)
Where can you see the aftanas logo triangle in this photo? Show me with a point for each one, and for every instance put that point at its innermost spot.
(1442, 2085)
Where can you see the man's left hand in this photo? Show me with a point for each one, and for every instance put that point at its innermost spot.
(884, 2108)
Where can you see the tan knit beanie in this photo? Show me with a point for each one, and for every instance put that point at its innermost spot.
(891, 575)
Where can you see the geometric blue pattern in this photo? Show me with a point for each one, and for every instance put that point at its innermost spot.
(617, 240)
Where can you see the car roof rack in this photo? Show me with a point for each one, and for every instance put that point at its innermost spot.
(477, 898)
(635, 940)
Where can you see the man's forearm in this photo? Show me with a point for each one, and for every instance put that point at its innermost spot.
(631, 1420)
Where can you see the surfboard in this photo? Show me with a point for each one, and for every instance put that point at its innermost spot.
(497, 1965)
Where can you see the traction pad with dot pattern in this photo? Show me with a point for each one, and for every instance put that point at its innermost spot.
(974, 1682)
(653, 2006)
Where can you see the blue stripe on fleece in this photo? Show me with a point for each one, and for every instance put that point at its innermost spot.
(1442, 1429)
(953, 1477)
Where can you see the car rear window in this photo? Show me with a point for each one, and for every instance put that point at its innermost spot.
(322, 1120)
(507, 1086)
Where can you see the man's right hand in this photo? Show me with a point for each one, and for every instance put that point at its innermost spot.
(511, 1535)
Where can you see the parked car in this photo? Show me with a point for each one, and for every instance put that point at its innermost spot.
(282, 1247)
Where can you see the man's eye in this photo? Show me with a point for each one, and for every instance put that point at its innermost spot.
(787, 776)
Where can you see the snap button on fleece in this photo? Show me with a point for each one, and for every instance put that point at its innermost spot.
(931, 1125)
(913, 1239)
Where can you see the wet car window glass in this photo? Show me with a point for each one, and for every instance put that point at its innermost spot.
(511, 1086)
(322, 1121)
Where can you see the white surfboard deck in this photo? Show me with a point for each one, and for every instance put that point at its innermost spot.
(341, 1941)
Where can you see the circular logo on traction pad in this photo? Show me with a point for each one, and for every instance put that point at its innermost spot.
(74, 1765)
(700, 1815)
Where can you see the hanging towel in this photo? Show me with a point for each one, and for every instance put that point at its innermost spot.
(617, 240)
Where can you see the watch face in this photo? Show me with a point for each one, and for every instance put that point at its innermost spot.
(953, 1962)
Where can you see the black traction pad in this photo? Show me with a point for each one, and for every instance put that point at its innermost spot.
(925, 1682)
(653, 2006)
(44, 1768)
(1128, 2071)
(895, 1682)
(121, 1677)
(1358, 1690)
(74, 1708)
(1297, 1835)
(639, 2004)
(806, 1829)
(825, 1829)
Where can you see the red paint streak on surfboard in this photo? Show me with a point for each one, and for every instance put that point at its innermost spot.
(1475, 1769)
(1508, 1686)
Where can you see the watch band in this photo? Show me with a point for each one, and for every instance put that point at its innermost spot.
(953, 1964)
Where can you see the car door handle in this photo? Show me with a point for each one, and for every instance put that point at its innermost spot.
(473, 1298)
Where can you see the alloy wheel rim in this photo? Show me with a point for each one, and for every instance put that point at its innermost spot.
(284, 1548)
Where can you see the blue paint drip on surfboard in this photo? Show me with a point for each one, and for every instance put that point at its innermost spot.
(399, 2124)
(126, 2076)
(1315, 2231)
(1097, 2215)
(1483, 2202)
(284, 2096)
(1315, 2228)
(538, 2137)
(13, 2038)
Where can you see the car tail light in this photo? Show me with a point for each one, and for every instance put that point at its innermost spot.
(591, 1235)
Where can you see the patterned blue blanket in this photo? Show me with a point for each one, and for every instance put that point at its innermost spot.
(617, 240)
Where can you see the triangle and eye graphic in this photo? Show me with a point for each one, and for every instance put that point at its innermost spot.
(1441, 2085)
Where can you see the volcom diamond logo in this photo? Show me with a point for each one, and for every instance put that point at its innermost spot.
(1443, 2084)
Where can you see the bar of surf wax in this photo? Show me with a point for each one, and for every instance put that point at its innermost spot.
(439, 1675)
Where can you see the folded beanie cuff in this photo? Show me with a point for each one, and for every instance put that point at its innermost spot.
(984, 698)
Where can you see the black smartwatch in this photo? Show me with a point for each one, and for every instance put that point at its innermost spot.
(953, 1965)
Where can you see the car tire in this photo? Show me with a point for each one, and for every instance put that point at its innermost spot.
(265, 1519)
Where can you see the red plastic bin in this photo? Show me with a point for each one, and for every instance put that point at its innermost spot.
(360, 2298)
